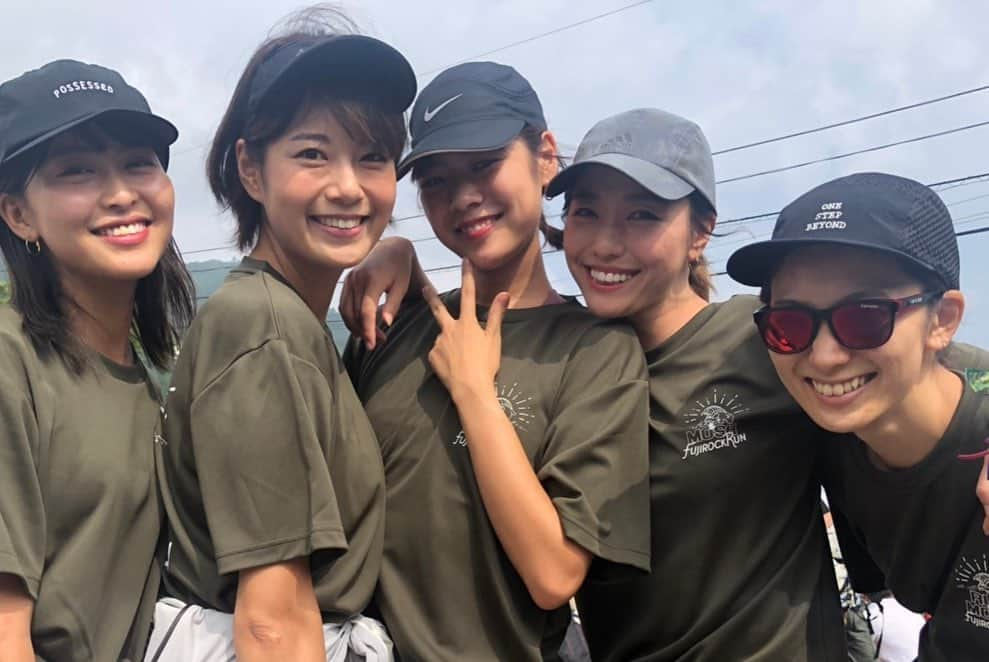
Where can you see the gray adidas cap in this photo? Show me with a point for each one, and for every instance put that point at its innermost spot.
(665, 153)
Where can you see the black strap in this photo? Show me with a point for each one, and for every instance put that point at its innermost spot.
(168, 634)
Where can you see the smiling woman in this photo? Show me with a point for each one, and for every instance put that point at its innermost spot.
(514, 441)
(271, 478)
(87, 238)
(859, 322)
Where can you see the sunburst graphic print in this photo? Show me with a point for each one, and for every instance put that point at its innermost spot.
(711, 424)
(972, 575)
(973, 572)
(716, 409)
(516, 405)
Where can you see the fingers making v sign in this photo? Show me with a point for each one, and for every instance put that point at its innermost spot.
(466, 356)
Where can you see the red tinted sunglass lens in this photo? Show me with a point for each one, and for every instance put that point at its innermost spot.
(862, 325)
(787, 330)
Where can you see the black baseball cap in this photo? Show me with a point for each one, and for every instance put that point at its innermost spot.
(360, 64)
(666, 154)
(471, 107)
(43, 103)
(881, 212)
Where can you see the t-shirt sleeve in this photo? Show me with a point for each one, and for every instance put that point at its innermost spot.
(595, 464)
(259, 431)
(22, 511)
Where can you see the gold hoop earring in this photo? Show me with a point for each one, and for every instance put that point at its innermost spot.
(33, 247)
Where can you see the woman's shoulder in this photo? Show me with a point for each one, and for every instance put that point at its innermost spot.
(10, 320)
(965, 357)
(14, 340)
(256, 307)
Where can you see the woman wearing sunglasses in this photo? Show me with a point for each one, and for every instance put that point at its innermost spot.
(861, 284)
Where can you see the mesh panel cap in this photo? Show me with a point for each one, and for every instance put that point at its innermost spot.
(883, 212)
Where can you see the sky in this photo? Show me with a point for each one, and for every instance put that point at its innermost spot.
(743, 69)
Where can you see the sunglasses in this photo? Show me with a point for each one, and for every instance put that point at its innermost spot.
(862, 324)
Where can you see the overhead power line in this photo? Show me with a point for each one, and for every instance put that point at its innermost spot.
(984, 228)
(765, 236)
(972, 199)
(209, 250)
(854, 120)
(542, 35)
(946, 184)
(964, 233)
(835, 157)
(949, 183)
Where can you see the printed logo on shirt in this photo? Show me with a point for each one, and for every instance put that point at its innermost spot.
(973, 576)
(514, 403)
(978, 380)
(828, 218)
(712, 425)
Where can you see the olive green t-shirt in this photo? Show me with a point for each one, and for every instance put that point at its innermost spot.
(269, 456)
(740, 563)
(79, 513)
(922, 527)
(574, 388)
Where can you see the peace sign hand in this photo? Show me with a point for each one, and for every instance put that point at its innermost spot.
(466, 356)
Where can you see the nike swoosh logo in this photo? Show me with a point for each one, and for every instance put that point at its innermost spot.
(430, 114)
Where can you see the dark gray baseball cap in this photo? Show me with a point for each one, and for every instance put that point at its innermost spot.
(665, 153)
(41, 104)
(471, 107)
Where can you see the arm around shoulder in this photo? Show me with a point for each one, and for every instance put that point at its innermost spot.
(391, 268)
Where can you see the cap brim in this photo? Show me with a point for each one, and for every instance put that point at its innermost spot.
(161, 132)
(657, 180)
(365, 65)
(756, 263)
(472, 136)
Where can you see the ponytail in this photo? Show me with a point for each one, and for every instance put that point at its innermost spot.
(553, 235)
(702, 215)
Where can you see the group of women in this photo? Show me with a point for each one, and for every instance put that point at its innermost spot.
(476, 458)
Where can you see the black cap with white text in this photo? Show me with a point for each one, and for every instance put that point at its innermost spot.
(43, 103)
(878, 211)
